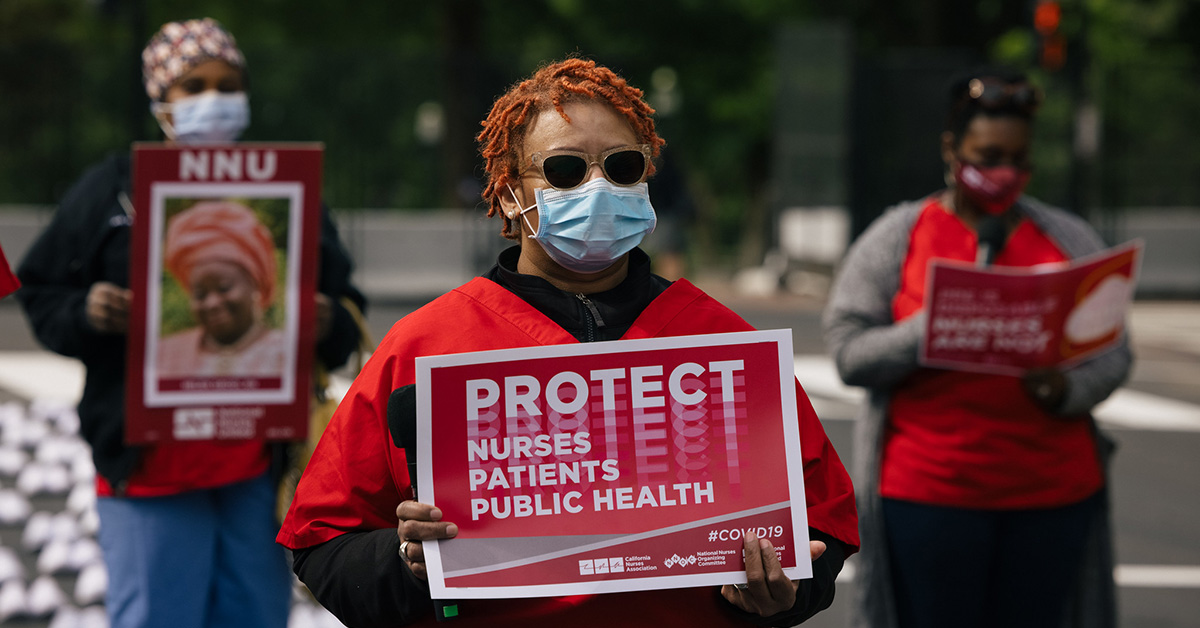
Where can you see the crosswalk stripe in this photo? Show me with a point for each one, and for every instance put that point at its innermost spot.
(1158, 576)
(41, 375)
(1125, 409)
(1128, 576)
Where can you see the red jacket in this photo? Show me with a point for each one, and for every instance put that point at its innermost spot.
(357, 476)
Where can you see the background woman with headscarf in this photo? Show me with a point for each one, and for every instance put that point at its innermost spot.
(186, 528)
(224, 259)
(978, 492)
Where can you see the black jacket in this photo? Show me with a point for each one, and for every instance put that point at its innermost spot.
(359, 575)
(87, 242)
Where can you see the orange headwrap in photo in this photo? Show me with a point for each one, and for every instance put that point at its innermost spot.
(221, 231)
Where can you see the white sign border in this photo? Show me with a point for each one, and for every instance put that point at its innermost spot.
(791, 432)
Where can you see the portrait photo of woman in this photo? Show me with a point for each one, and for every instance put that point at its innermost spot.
(224, 262)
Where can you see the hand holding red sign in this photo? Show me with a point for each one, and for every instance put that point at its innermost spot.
(609, 467)
(768, 590)
(108, 307)
(420, 522)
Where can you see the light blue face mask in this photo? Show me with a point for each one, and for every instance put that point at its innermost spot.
(208, 117)
(587, 229)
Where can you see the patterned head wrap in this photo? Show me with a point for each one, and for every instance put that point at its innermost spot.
(221, 231)
(180, 46)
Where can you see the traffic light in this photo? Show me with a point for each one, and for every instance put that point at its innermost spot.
(1052, 44)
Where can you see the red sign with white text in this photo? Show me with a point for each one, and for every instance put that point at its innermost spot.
(223, 272)
(610, 466)
(8, 281)
(1008, 320)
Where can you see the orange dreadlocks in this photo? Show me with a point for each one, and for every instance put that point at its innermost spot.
(569, 80)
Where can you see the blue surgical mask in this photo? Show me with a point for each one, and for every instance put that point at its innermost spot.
(206, 118)
(587, 229)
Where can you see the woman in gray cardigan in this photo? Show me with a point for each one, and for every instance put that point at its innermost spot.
(982, 498)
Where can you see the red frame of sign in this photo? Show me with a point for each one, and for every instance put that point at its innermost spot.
(279, 181)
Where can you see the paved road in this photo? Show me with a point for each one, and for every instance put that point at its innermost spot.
(1155, 420)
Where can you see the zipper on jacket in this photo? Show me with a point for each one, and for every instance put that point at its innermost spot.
(592, 317)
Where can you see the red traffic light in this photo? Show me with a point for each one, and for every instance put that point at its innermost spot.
(1047, 17)
(1054, 52)
(1052, 44)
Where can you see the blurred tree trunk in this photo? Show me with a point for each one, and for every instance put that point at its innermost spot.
(461, 72)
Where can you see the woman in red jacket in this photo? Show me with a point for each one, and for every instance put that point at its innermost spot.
(567, 155)
(977, 491)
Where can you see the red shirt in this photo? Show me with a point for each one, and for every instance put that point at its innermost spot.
(174, 468)
(357, 476)
(974, 440)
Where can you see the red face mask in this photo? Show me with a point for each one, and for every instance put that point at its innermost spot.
(992, 189)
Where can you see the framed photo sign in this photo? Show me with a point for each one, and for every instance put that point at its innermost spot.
(223, 272)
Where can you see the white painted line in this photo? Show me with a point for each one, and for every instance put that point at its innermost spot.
(1135, 410)
(1129, 576)
(1158, 576)
(41, 375)
(819, 377)
(1125, 409)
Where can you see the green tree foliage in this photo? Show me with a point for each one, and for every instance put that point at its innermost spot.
(396, 90)
(175, 303)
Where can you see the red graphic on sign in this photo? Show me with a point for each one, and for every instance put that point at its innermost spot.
(644, 457)
(1009, 320)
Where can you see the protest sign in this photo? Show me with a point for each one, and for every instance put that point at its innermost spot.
(1008, 320)
(223, 273)
(611, 466)
(8, 281)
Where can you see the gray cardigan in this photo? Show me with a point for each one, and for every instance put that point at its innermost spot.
(873, 351)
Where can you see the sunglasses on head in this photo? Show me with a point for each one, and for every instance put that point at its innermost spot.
(995, 94)
(568, 169)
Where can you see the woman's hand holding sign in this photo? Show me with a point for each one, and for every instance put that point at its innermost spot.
(767, 590)
(420, 522)
(1046, 386)
(108, 307)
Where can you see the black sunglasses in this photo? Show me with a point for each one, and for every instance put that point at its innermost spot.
(996, 94)
(567, 169)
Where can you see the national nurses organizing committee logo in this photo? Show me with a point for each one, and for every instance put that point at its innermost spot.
(195, 423)
(676, 559)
